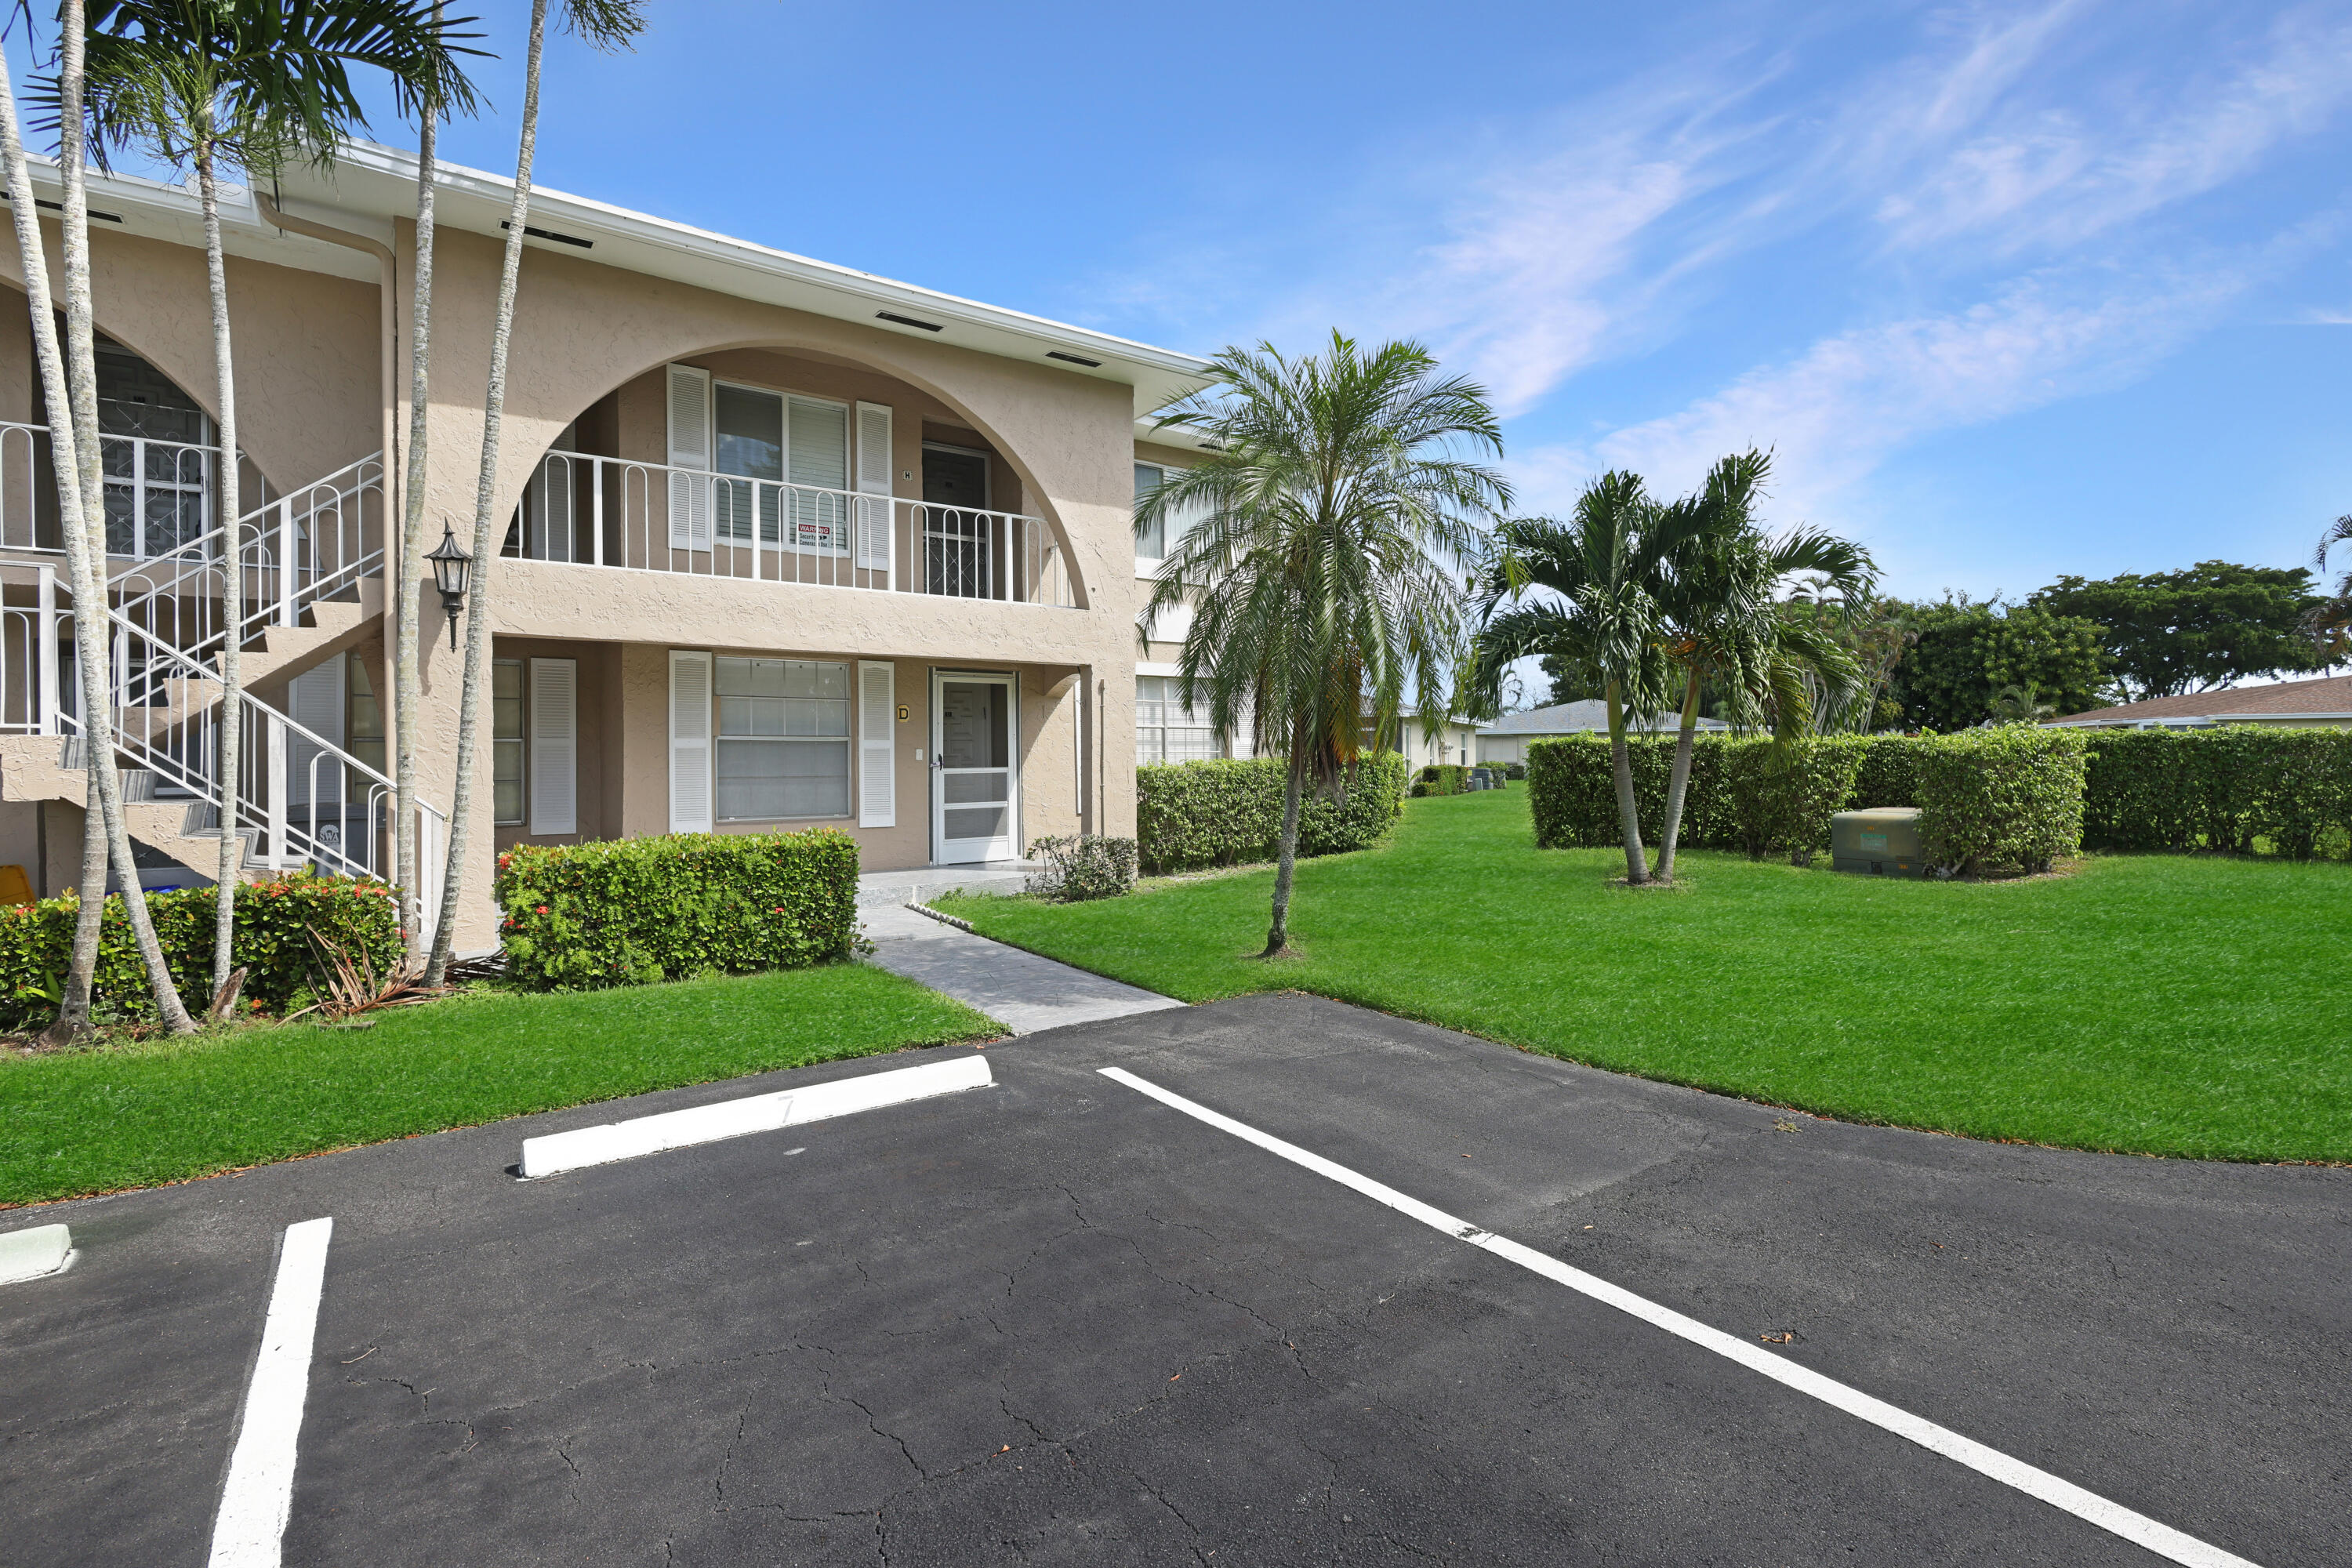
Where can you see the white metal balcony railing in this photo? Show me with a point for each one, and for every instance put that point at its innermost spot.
(612, 513)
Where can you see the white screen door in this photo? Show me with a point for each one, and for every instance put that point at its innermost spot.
(975, 774)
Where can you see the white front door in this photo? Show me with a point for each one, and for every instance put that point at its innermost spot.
(975, 772)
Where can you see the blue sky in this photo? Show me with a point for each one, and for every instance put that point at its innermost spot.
(2011, 289)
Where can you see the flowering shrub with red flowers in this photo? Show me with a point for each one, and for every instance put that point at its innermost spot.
(633, 911)
(273, 925)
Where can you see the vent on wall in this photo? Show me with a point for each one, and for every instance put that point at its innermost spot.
(551, 234)
(906, 321)
(1074, 359)
(49, 207)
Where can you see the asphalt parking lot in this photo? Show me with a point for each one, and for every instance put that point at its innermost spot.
(1059, 1320)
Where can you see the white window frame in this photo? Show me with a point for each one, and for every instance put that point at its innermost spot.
(520, 741)
(1216, 746)
(838, 534)
(847, 741)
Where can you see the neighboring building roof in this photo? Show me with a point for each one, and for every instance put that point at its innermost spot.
(369, 186)
(2329, 697)
(1577, 718)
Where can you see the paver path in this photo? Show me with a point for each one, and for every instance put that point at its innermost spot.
(1020, 990)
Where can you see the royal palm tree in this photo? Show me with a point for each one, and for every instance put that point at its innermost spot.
(216, 85)
(70, 391)
(1724, 624)
(1334, 503)
(1587, 590)
(2330, 621)
(605, 25)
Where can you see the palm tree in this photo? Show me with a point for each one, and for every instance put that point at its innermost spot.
(72, 396)
(213, 83)
(2330, 621)
(1725, 627)
(1601, 572)
(1333, 503)
(605, 24)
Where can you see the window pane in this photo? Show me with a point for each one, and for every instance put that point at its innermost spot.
(506, 700)
(1149, 544)
(508, 781)
(764, 779)
(750, 432)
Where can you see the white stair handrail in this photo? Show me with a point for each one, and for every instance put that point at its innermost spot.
(304, 811)
(280, 583)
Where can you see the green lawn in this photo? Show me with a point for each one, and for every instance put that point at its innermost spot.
(2165, 1004)
(97, 1121)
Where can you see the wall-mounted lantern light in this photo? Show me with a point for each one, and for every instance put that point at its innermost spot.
(451, 564)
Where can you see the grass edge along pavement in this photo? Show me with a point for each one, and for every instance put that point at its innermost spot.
(2151, 1004)
(83, 1122)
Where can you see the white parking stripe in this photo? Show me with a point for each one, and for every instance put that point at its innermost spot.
(560, 1152)
(250, 1528)
(2136, 1528)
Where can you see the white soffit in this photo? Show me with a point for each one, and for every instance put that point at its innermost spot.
(370, 186)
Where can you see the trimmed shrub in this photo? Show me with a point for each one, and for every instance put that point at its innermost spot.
(1781, 798)
(2006, 796)
(633, 911)
(2231, 787)
(1229, 813)
(1083, 865)
(1890, 772)
(1442, 778)
(274, 922)
(1515, 771)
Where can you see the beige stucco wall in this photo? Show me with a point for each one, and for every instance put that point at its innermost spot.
(308, 392)
(306, 346)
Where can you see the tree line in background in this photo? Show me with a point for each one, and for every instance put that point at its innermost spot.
(1955, 662)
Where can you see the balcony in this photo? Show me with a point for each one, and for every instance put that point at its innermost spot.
(618, 515)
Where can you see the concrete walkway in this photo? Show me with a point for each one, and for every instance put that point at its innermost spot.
(1020, 990)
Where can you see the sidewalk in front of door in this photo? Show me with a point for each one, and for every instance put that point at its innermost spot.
(1024, 992)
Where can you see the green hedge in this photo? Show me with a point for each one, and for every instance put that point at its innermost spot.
(2010, 796)
(633, 911)
(1744, 794)
(1442, 778)
(1230, 813)
(273, 925)
(2233, 787)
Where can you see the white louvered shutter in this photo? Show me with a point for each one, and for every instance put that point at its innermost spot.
(874, 487)
(314, 700)
(690, 742)
(877, 750)
(554, 745)
(690, 447)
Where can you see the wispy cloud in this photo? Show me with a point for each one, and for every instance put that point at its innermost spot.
(2058, 175)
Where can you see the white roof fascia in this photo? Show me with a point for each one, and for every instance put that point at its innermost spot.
(153, 210)
(380, 183)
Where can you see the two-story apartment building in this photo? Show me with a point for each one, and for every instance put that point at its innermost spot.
(786, 544)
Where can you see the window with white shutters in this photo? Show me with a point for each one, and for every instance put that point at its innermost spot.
(877, 751)
(554, 746)
(690, 742)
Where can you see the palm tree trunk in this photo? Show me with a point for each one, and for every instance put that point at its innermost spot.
(1620, 762)
(477, 621)
(84, 520)
(407, 681)
(231, 864)
(1285, 859)
(73, 1005)
(1678, 785)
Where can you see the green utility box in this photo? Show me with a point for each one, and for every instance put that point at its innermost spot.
(1880, 843)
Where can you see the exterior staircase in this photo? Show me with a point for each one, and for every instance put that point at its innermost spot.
(159, 809)
(309, 571)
